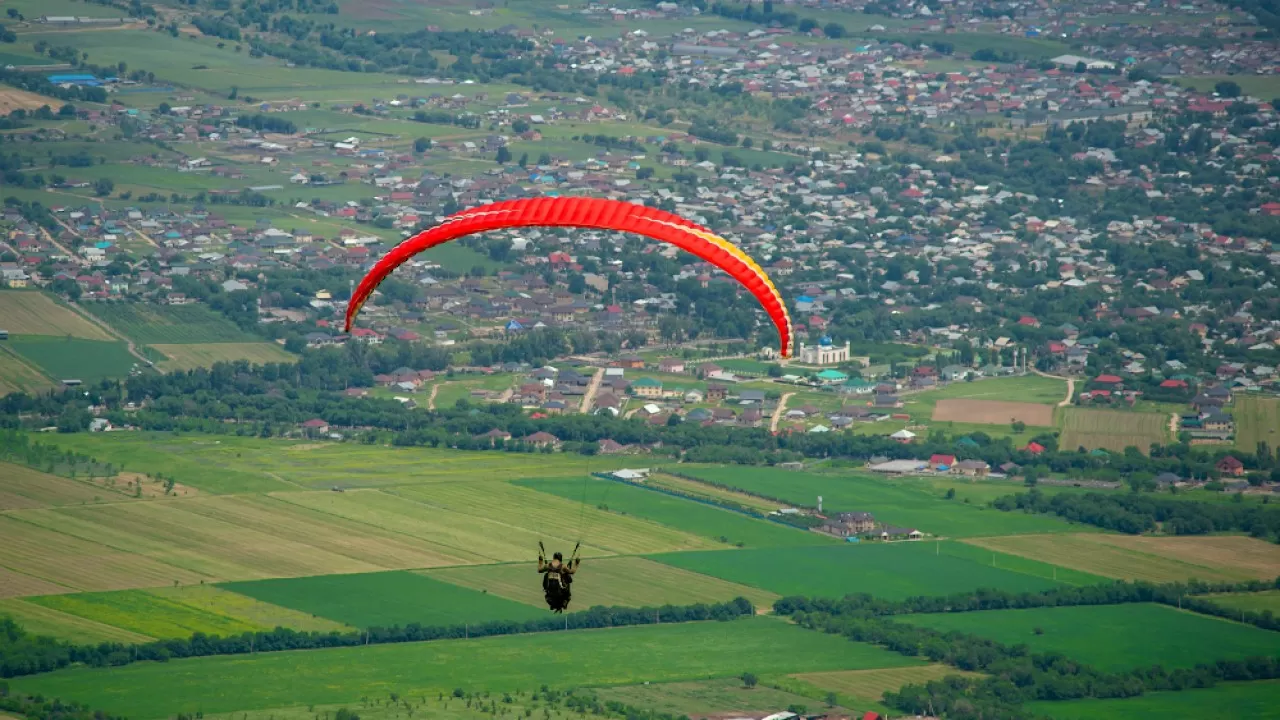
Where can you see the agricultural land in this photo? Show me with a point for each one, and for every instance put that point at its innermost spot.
(1113, 430)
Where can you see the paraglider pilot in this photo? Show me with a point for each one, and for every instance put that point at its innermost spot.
(557, 577)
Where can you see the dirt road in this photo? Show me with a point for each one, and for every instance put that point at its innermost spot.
(778, 411)
(592, 389)
(1071, 386)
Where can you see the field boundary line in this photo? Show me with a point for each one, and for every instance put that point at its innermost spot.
(69, 588)
(18, 358)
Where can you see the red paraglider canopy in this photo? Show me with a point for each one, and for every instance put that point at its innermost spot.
(594, 213)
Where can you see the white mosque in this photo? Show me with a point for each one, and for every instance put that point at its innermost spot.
(824, 353)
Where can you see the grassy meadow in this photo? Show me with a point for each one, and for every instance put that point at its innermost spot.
(40, 620)
(891, 571)
(22, 488)
(891, 501)
(1022, 388)
(345, 675)
(626, 581)
(387, 599)
(1113, 637)
(1251, 602)
(725, 525)
(140, 612)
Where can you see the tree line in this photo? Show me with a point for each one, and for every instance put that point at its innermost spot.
(38, 707)
(1014, 675)
(24, 654)
(1136, 513)
(1187, 596)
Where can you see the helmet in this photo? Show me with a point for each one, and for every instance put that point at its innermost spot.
(558, 556)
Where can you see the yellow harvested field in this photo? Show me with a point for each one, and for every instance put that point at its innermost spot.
(18, 375)
(1126, 557)
(15, 584)
(24, 488)
(993, 412)
(706, 490)
(238, 538)
(61, 559)
(189, 357)
(1250, 556)
(25, 312)
(626, 581)
(872, 684)
(245, 609)
(14, 99)
(40, 620)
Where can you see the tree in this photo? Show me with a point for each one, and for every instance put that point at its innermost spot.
(1227, 89)
(749, 680)
(422, 144)
(102, 187)
(504, 155)
(520, 126)
(644, 173)
(1019, 426)
(524, 160)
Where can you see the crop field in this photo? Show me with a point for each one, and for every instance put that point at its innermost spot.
(64, 358)
(233, 464)
(40, 620)
(1257, 420)
(57, 562)
(689, 515)
(1113, 637)
(171, 324)
(970, 550)
(18, 375)
(1254, 700)
(1160, 560)
(236, 538)
(22, 488)
(524, 516)
(1255, 602)
(581, 658)
(893, 502)
(1035, 389)
(892, 571)
(873, 684)
(1112, 430)
(141, 612)
(189, 357)
(624, 581)
(993, 412)
(24, 312)
(387, 599)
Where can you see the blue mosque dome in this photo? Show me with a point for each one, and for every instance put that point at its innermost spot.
(825, 341)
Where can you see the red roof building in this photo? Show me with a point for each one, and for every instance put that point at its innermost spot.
(940, 460)
(1034, 448)
(1108, 379)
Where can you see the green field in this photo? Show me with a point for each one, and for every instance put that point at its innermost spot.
(39, 620)
(1264, 87)
(1023, 388)
(27, 312)
(873, 684)
(624, 581)
(141, 612)
(893, 502)
(1252, 602)
(387, 599)
(65, 358)
(581, 658)
(171, 324)
(1254, 700)
(1257, 420)
(1114, 637)
(689, 515)
(1112, 430)
(893, 571)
